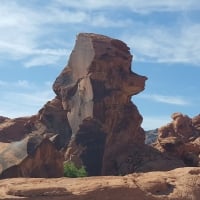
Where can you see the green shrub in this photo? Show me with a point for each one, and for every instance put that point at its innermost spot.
(70, 170)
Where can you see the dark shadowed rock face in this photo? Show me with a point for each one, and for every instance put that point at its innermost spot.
(95, 90)
(181, 138)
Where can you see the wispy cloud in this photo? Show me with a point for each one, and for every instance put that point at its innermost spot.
(19, 84)
(41, 61)
(23, 28)
(23, 97)
(138, 6)
(175, 100)
(28, 103)
(164, 45)
(31, 99)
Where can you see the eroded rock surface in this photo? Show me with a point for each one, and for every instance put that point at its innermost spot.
(33, 156)
(95, 90)
(181, 138)
(182, 183)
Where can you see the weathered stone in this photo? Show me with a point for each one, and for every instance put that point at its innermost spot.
(3, 119)
(33, 156)
(95, 89)
(13, 129)
(181, 138)
(182, 183)
(50, 121)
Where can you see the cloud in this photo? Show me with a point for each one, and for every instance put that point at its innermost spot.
(31, 99)
(23, 97)
(165, 45)
(175, 100)
(19, 84)
(28, 103)
(138, 6)
(41, 61)
(25, 29)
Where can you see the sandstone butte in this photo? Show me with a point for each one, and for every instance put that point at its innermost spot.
(92, 122)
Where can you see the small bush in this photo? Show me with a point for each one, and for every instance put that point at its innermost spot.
(70, 170)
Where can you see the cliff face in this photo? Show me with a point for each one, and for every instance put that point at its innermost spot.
(95, 90)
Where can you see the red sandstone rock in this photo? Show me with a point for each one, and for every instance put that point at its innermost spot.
(181, 138)
(182, 183)
(95, 89)
(33, 156)
(13, 129)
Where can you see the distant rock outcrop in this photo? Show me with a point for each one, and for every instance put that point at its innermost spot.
(181, 138)
(3, 119)
(151, 136)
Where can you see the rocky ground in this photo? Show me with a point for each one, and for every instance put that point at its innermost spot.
(181, 183)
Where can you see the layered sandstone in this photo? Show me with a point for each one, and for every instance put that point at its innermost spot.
(182, 183)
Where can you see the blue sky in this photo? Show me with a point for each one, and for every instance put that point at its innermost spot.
(37, 36)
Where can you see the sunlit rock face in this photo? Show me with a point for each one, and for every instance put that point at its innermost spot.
(95, 90)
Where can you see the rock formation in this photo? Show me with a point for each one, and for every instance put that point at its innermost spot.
(51, 121)
(33, 156)
(181, 138)
(91, 119)
(95, 90)
(92, 109)
(182, 183)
